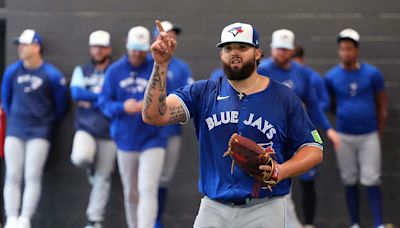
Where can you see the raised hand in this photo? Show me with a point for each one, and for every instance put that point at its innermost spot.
(163, 48)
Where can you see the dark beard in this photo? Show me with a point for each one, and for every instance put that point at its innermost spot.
(239, 74)
(101, 61)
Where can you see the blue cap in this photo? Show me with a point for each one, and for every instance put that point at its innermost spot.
(29, 36)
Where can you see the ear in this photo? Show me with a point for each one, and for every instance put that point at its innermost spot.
(220, 54)
(258, 54)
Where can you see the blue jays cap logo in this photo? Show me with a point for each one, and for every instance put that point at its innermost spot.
(236, 30)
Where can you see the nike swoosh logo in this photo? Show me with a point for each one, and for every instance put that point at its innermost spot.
(222, 98)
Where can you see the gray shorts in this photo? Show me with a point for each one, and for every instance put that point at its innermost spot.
(259, 213)
(359, 158)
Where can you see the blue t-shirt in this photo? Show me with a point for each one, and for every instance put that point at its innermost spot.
(318, 84)
(273, 118)
(178, 75)
(297, 78)
(355, 92)
(86, 85)
(33, 99)
(124, 81)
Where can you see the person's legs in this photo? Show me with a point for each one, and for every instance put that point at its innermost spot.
(370, 166)
(128, 163)
(270, 213)
(212, 215)
(309, 201)
(292, 219)
(14, 158)
(150, 166)
(348, 166)
(37, 151)
(103, 168)
(170, 162)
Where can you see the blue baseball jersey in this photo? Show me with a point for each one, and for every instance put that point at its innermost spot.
(355, 92)
(216, 74)
(124, 81)
(178, 75)
(297, 78)
(86, 85)
(318, 84)
(274, 118)
(33, 99)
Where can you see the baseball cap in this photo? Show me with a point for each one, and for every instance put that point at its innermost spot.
(99, 38)
(283, 38)
(28, 36)
(239, 33)
(138, 39)
(168, 26)
(349, 34)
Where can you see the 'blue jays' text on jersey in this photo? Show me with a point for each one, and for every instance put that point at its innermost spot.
(178, 75)
(297, 78)
(318, 84)
(355, 92)
(86, 85)
(273, 118)
(123, 81)
(33, 99)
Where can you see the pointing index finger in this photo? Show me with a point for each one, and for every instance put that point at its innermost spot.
(159, 26)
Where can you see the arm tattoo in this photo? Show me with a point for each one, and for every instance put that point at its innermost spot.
(156, 83)
(177, 114)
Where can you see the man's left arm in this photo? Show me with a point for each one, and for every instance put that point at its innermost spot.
(381, 106)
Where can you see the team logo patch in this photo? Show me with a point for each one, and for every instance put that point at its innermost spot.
(316, 136)
(236, 30)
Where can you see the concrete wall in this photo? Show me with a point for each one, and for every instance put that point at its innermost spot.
(66, 24)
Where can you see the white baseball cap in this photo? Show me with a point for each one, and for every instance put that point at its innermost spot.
(283, 38)
(239, 33)
(99, 38)
(138, 39)
(167, 26)
(28, 36)
(349, 34)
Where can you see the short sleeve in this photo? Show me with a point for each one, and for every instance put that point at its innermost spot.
(78, 79)
(301, 132)
(189, 96)
(378, 81)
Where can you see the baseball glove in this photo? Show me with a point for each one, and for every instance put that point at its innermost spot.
(249, 156)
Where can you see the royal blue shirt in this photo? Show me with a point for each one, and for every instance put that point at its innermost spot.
(33, 99)
(355, 92)
(86, 85)
(297, 78)
(318, 84)
(124, 81)
(178, 75)
(273, 118)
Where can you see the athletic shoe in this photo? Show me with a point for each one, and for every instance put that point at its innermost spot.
(11, 222)
(93, 225)
(355, 226)
(308, 226)
(24, 222)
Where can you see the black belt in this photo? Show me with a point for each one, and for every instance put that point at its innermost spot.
(236, 202)
(245, 201)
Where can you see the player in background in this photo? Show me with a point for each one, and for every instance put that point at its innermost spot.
(317, 80)
(178, 75)
(232, 105)
(359, 100)
(34, 99)
(92, 147)
(307, 180)
(282, 68)
(141, 147)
